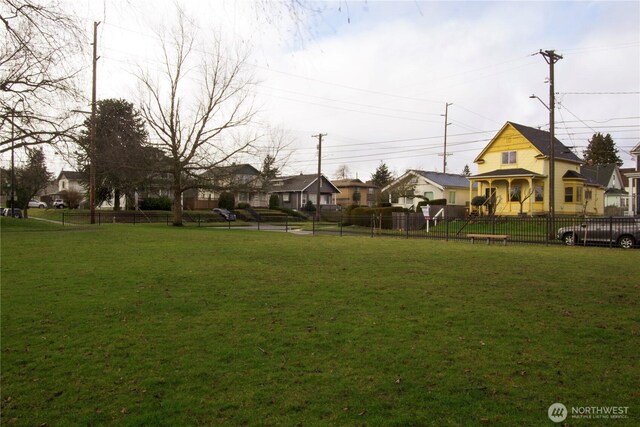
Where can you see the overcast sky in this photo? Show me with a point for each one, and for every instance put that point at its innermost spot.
(375, 76)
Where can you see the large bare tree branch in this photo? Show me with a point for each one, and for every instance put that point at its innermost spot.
(38, 71)
(195, 106)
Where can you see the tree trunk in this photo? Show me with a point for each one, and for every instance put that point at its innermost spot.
(116, 199)
(176, 207)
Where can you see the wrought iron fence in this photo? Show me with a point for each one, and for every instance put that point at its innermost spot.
(602, 231)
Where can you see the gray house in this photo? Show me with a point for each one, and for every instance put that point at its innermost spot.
(609, 176)
(294, 191)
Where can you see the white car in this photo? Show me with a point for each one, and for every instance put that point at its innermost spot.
(37, 204)
(59, 204)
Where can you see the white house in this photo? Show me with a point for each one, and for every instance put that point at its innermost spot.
(416, 186)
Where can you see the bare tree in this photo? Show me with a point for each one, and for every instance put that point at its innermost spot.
(274, 155)
(38, 72)
(343, 172)
(195, 106)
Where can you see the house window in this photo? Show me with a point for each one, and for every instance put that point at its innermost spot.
(568, 194)
(285, 197)
(509, 158)
(428, 195)
(452, 198)
(579, 194)
(539, 194)
(515, 194)
(588, 194)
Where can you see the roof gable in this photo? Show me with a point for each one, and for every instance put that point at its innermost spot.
(602, 174)
(71, 175)
(437, 179)
(298, 183)
(539, 139)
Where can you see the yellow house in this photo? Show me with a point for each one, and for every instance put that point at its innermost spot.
(513, 175)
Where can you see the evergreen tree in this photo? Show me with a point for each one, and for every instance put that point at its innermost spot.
(381, 177)
(602, 150)
(466, 171)
(32, 178)
(121, 156)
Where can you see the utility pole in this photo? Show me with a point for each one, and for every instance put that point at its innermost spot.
(446, 125)
(92, 134)
(319, 136)
(13, 165)
(551, 57)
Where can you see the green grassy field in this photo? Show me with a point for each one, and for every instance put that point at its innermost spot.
(156, 325)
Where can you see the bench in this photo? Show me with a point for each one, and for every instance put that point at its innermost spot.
(489, 237)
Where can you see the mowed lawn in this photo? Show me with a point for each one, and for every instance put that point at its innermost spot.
(156, 325)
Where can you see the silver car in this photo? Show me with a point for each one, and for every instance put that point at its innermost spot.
(624, 232)
(33, 203)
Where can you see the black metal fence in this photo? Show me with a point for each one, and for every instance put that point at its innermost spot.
(602, 231)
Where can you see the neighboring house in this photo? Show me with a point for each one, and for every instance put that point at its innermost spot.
(294, 191)
(416, 186)
(356, 192)
(610, 178)
(71, 181)
(243, 180)
(634, 184)
(513, 173)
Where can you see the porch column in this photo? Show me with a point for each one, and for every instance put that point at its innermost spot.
(509, 180)
(632, 196)
(532, 196)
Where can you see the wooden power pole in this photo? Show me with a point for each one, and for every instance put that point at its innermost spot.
(319, 136)
(92, 132)
(551, 57)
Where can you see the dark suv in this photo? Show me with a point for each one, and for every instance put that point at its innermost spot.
(14, 212)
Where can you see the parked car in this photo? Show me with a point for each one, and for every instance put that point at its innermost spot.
(14, 212)
(59, 204)
(624, 232)
(37, 204)
(226, 214)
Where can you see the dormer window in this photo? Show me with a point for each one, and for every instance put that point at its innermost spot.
(509, 158)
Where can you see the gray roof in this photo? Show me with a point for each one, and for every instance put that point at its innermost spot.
(297, 183)
(600, 174)
(73, 175)
(540, 139)
(352, 183)
(444, 179)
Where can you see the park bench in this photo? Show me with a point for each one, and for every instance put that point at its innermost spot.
(489, 237)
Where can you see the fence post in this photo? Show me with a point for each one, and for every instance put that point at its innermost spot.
(446, 229)
(548, 228)
(340, 223)
(373, 223)
(63, 219)
(258, 221)
(286, 223)
(99, 218)
(313, 229)
(406, 214)
(611, 232)
(134, 217)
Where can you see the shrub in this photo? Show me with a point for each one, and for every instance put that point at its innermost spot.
(156, 204)
(478, 201)
(274, 201)
(309, 207)
(226, 201)
(439, 202)
(243, 205)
